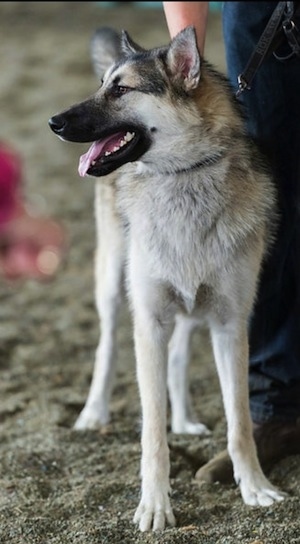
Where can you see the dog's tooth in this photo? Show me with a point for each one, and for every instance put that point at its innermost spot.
(129, 136)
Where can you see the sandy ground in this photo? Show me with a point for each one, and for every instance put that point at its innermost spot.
(58, 485)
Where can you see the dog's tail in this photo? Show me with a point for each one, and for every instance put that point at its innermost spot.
(105, 48)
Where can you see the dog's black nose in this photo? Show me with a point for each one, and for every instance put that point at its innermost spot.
(57, 123)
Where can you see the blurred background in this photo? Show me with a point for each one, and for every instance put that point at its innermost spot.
(57, 485)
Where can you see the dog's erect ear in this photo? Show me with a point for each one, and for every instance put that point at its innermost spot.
(183, 59)
(129, 46)
(105, 47)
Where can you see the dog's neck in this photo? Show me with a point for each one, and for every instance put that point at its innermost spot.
(209, 160)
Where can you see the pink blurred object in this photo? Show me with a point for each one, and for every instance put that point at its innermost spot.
(31, 246)
(10, 183)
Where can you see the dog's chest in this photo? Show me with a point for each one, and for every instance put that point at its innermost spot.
(173, 224)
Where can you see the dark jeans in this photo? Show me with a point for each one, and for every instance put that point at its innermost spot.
(272, 107)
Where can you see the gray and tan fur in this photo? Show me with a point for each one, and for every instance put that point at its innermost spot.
(198, 203)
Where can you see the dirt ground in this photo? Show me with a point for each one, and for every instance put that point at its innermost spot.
(59, 485)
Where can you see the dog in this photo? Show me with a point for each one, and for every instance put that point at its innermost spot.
(197, 200)
(109, 279)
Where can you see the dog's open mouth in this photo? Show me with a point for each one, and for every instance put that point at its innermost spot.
(111, 152)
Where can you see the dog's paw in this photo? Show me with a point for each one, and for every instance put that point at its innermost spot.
(190, 427)
(91, 420)
(154, 515)
(260, 492)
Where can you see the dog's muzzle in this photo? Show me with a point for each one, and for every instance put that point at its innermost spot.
(113, 144)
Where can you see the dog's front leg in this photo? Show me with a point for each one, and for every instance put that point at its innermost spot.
(151, 334)
(151, 354)
(230, 345)
(109, 264)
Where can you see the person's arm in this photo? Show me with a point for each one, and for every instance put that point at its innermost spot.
(179, 15)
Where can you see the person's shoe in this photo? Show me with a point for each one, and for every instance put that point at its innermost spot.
(274, 441)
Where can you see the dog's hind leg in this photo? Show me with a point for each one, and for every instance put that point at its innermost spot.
(230, 346)
(109, 263)
(182, 418)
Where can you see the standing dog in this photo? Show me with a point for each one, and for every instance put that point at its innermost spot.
(197, 201)
(109, 276)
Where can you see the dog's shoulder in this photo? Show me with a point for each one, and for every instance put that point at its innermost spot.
(217, 103)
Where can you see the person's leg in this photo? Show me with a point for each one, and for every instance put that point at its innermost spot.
(272, 111)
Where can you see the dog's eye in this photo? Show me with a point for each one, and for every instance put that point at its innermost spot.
(119, 90)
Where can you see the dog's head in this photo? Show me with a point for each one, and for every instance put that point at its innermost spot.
(143, 94)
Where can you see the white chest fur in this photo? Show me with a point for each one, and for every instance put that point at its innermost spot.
(171, 220)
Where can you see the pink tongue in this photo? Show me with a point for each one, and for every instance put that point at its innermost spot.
(96, 149)
(86, 160)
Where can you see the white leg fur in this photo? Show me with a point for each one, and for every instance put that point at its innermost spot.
(230, 346)
(152, 329)
(182, 420)
(109, 262)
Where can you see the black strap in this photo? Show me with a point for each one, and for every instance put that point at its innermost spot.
(269, 41)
